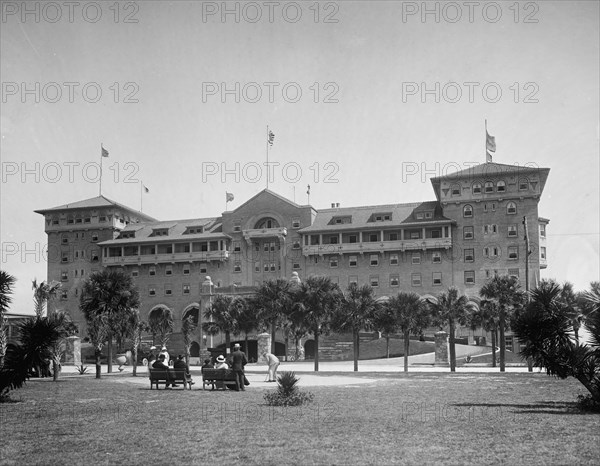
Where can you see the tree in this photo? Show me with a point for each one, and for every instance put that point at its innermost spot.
(246, 319)
(160, 322)
(319, 298)
(411, 317)
(42, 294)
(138, 327)
(187, 329)
(355, 313)
(273, 298)
(485, 316)
(7, 282)
(384, 321)
(220, 316)
(38, 337)
(546, 328)
(452, 308)
(66, 328)
(97, 330)
(112, 294)
(506, 292)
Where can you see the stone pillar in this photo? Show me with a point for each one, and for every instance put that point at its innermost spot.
(263, 341)
(441, 349)
(73, 351)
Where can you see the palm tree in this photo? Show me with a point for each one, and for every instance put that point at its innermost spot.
(66, 328)
(452, 308)
(138, 328)
(486, 316)
(110, 293)
(411, 316)
(385, 322)
(97, 330)
(546, 327)
(506, 292)
(220, 316)
(319, 298)
(7, 282)
(187, 329)
(38, 337)
(246, 320)
(571, 304)
(160, 322)
(42, 294)
(273, 298)
(355, 313)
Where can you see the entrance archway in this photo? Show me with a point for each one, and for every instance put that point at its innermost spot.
(309, 349)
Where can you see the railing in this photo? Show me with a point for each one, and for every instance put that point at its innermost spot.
(203, 256)
(404, 245)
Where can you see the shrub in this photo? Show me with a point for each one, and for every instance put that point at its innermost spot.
(81, 369)
(288, 393)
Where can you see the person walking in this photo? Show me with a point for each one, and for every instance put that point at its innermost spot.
(273, 363)
(238, 361)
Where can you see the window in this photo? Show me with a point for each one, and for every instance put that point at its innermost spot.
(512, 230)
(169, 270)
(501, 187)
(437, 278)
(237, 247)
(374, 260)
(491, 251)
(333, 240)
(333, 262)
(513, 252)
(393, 236)
(237, 226)
(486, 229)
(265, 267)
(352, 239)
(455, 190)
(186, 269)
(415, 234)
(237, 267)
(523, 184)
(373, 237)
(419, 216)
(494, 228)
(94, 237)
(296, 244)
(374, 281)
(257, 266)
(64, 275)
(436, 257)
(168, 290)
(151, 291)
(489, 187)
(78, 220)
(64, 258)
(467, 211)
(64, 294)
(203, 268)
(477, 188)
(394, 280)
(394, 259)
(54, 221)
(95, 256)
(437, 233)
(428, 214)
(266, 247)
(352, 261)
(152, 270)
(416, 258)
(70, 221)
(511, 208)
(295, 223)
(513, 273)
(296, 265)
(469, 277)
(467, 232)
(493, 207)
(65, 240)
(542, 252)
(543, 230)
(135, 272)
(415, 279)
(469, 255)
(186, 289)
(352, 279)
(272, 267)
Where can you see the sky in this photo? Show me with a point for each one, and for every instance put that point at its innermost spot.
(367, 101)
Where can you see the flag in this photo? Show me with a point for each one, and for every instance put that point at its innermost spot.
(271, 138)
(146, 189)
(104, 152)
(308, 190)
(488, 157)
(490, 142)
(228, 197)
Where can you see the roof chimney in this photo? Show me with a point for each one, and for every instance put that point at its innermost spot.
(337, 204)
(333, 205)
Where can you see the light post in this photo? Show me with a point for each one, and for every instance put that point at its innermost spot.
(295, 285)
(207, 292)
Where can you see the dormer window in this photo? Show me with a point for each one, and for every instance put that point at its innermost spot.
(340, 220)
(381, 217)
(192, 230)
(160, 232)
(420, 215)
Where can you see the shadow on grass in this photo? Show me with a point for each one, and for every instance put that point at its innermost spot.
(541, 407)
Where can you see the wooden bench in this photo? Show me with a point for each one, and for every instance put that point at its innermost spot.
(159, 376)
(211, 376)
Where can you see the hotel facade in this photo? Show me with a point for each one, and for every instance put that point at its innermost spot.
(472, 230)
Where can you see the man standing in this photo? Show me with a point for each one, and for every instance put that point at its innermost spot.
(273, 362)
(238, 361)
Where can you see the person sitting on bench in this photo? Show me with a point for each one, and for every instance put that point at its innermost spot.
(160, 364)
(181, 365)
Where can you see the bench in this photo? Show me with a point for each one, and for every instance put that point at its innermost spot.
(210, 376)
(159, 376)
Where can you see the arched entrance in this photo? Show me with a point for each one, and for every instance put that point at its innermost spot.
(156, 319)
(309, 349)
(195, 350)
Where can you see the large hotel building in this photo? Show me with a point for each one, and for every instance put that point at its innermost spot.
(472, 230)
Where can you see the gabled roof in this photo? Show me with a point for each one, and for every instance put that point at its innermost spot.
(92, 203)
(176, 229)
(267, 191)
(402, 216)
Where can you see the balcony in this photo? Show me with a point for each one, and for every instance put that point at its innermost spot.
(204, 256)
(264, 233)
(379, 246)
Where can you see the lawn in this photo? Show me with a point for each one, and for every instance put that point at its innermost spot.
(431, 418)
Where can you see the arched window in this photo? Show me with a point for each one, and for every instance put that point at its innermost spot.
(267, 222)
(511, 208)
(477, 188)
(467, 211)
(194, 312)
(501, 186)
(455, 190)
(523, 184)
(489, 187)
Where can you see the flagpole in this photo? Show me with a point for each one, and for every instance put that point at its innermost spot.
(101, 156)
(267, 156)
(486, 133)
(141, 196)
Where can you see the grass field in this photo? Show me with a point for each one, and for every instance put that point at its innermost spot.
(424, 418)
